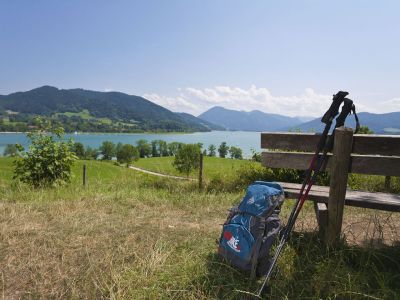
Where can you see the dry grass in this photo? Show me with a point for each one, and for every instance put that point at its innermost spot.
(131, 236)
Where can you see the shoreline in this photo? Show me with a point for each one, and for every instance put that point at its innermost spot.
(144, 132)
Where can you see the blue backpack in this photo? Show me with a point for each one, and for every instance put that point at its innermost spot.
(252, 228)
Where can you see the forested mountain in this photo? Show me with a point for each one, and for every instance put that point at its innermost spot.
(388, 123)
(209, 125)
(248, 121)
(84, 110)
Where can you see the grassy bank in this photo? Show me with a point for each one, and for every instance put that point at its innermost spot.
(129, 235)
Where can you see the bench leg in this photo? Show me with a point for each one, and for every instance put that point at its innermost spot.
(321, 212)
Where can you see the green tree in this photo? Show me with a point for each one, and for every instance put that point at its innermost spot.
(79, 150)
(11, 150)
(91, 153)
(118, 147)
(364, 129)
(212, 150)
(223, 150)
(235, 152)
(173, 148)
(143, 147)
(48, 160)
(107, 149)
(187, 158)
(154, 149)
(127, 154)
(162, 148)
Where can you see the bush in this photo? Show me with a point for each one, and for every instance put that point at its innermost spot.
(49, 159)
(187, 158)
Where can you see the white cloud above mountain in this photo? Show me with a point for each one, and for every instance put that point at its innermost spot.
(195, 101)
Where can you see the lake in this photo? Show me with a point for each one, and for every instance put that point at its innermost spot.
(242, 139)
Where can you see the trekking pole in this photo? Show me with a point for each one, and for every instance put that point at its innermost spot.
(324, 144)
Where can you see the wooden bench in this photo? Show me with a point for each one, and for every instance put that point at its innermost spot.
(363, 154)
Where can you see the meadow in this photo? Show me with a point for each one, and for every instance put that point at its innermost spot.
(128, 235)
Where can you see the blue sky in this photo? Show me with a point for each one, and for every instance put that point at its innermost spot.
(285, 57)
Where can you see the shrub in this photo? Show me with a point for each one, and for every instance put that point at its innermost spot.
(49, 159)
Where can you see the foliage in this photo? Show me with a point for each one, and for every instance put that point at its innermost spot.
(92, 111)
(364, 129)
(107, 149)
(91, 153)
(173, 148)
(223, 150)
(49, 159)
(235, 152)
(127, 154)
(79, 150)
(256, 156)
(144, 148)
(11, 150)
(159, 148)
(212, 150)
(187, 158)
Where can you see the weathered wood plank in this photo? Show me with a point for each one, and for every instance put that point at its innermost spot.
(362, 164)
(291, 141)
(321, 212)
(375, 165)
(338, 183)
(289, 160)
(376, 144)
(371, 144)
(320, 194)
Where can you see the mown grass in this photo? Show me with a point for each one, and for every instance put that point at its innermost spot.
(128, 235)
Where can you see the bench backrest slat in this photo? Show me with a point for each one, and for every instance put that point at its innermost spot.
(362, 164)
(388, 145)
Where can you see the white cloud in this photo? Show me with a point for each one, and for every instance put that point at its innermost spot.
(196, 101)
(391, 105)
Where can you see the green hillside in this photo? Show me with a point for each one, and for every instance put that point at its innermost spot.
(92, 111)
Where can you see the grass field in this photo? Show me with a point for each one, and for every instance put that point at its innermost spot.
(128, 235)
(212, 166)
(85, 114)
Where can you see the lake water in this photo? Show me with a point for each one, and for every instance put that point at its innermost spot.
(243, 139)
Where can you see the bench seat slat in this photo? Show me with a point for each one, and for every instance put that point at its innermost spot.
(380, 201)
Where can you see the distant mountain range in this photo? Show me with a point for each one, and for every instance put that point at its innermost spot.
(388, 123)
(93, 111)
(248, 121)
(84, 110)
(255, 120)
